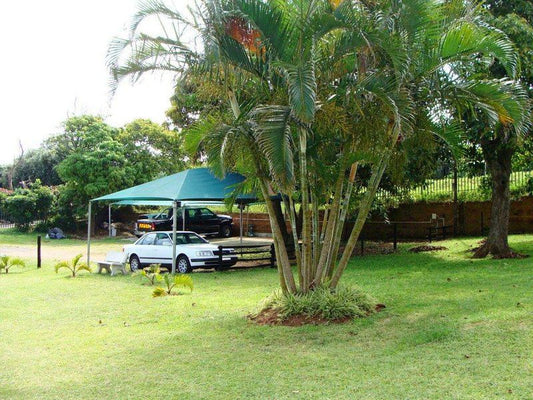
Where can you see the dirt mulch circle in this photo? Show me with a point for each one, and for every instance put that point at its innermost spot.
(271, 317)
(420, 249)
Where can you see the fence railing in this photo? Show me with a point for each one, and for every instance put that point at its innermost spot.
(5, 220)
(468, 188)
(257, 255)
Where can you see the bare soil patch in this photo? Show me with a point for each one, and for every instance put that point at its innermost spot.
(420, 249)
(270, 316)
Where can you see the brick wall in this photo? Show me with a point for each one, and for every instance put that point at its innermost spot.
(414, 220)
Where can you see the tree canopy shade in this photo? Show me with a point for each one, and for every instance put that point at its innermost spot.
(192, 184)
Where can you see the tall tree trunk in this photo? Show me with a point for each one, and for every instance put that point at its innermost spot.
(287, 238)
(498, 154)
(366, 203)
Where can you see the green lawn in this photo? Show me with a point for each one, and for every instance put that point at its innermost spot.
(454, 328)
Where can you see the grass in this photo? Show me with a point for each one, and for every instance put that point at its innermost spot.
(13, 236)
(453, 328)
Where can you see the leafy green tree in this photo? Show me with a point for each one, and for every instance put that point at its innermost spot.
(152, 149)
(38, 164)
(499, 144)
(25, 206)
(315, 89)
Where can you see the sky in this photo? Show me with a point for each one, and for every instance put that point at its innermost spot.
(53, 67)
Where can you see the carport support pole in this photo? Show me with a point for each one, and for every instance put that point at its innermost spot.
(241, 207)
(89, 223)
(183, 217)
(109, 220)
(174, 229)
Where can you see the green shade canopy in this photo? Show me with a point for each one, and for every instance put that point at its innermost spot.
(197, 184)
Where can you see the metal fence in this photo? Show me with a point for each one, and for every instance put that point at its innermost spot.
(469, 188)
(5, 220)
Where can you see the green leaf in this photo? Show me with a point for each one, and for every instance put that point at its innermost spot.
(274, 139)
(302, 90)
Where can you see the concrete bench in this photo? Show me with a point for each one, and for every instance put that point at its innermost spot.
(115, 262)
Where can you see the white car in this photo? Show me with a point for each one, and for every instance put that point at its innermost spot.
(192, 251)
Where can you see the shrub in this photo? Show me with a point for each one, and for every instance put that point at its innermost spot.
(74, 266)
(344, 302)
(172, 281)
(529, 186)
(7, 262)
(42, 227)
(28, 205)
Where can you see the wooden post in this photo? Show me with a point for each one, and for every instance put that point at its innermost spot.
(220, 256)
(39, 251)
(89, 227)
(272, 256)
(455, 201)
(395, 233)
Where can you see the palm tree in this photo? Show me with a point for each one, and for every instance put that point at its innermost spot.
(316, 88)
(7, 262)
(73, 266)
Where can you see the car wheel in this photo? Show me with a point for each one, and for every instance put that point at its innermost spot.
(183, 265)
(225, 231)
(135, 264)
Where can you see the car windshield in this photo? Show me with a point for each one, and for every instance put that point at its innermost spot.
(164, 214)
(189, 238)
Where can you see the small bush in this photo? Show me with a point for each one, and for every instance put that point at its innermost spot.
(74, 266)
(7, 262)
(344, 302)
(41, 227)
(152, 274)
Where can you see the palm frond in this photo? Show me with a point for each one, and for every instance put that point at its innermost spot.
(62, 264)
(302, 90)
(274, 139)
(467, 39)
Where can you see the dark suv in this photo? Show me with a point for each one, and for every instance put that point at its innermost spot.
(199, 220)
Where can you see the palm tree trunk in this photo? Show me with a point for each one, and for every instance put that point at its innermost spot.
(364, 208)
(284, 264)
(315, 235)
(330, 230)
(292, 216)
(306, 222)
(332, 258)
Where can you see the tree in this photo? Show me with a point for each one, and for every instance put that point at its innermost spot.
(499, 145)
(315, 89)
(99, 159)
(152, 149)
(38, 164)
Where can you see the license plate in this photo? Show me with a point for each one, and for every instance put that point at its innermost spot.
(145, 226)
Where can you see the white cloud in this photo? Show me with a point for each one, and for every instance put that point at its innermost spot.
(53, 65)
